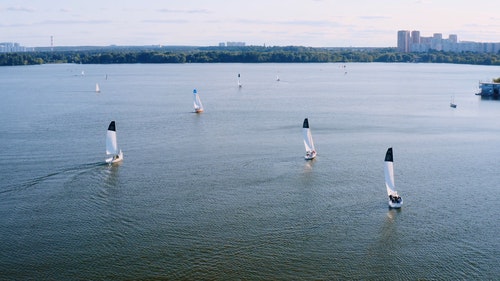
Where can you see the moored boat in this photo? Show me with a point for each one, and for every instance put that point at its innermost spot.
(489, 90)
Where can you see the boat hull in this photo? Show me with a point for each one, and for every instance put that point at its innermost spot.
(395, 205)
(115, 159)
(310, 156)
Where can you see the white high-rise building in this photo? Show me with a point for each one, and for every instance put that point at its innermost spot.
(404, 41)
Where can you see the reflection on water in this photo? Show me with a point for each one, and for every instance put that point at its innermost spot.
(389, 226)
(111, 174)
(384, 254)
(492, 97)
(308, 166)
(388, 231)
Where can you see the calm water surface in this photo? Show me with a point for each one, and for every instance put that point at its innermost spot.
(226, 194)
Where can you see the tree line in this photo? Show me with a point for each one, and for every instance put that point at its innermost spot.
(250, 54)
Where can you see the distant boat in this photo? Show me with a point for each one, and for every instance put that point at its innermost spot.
(239, 82)
(277, 78)
(198, 107)
(308, 141)
(112, 145)
(395, 201)
(97, 89)
(452, 103)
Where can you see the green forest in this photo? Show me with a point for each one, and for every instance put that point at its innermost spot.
(250, 54)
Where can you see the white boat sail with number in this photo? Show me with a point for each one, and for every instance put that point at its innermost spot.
(308, 141)
(112, 145)
(198, 107)
(395, 201)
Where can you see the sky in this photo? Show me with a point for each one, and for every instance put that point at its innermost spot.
(314, 23)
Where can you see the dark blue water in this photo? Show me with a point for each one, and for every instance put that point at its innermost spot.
(227, 194)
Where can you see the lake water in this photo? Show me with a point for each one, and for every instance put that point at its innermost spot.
(227, 194)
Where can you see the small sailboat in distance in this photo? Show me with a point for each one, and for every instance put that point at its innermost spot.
(97, 89)
(452, 102)
(198, 107)
(112, 145)
(395, 201)
(239, 82)
(308, 141)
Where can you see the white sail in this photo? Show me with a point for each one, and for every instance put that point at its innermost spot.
(198, 106)
(112, 145)
(389, 172)
(111, 142)
(308, 140)
(395, 201)
(97, 89)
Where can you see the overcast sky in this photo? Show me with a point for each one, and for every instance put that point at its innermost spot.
(316, 23)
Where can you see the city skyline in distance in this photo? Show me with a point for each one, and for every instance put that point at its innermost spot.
(316, 23)
(413, 41)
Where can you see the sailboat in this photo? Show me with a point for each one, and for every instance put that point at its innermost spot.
(452, 103)
(239, 82)
(395, 201)
(308, 141)
(198, 107)
(112, 145)
(97, 89)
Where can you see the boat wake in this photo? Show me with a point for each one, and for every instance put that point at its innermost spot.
(82, 168)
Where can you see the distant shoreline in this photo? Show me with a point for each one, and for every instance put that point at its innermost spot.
(249, 54)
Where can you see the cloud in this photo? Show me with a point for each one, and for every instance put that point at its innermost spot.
(308, 23)
(196, 11)
(16, 25)
(374, 18)
(165, 21)
(20, 9)
(485, 26)
(76, 22)
(288, 22)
